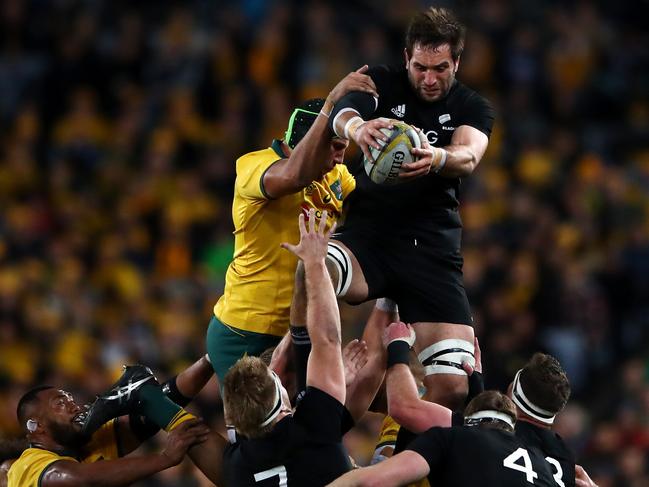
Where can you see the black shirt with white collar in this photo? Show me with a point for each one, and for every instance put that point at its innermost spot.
(303, 449)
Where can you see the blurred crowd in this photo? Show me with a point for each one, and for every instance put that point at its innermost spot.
(120, 123)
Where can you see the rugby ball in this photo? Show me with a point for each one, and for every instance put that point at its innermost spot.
(393, 154)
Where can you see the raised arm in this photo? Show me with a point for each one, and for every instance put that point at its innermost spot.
(404, 404)
(124, 471)
(325, 367)
(361, 392)
(311, 155)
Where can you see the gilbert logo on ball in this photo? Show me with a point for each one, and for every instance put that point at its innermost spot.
(393, 154)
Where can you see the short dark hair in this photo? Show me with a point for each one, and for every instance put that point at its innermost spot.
(29, 398)
(545, 383)
(301, 120)
(434, 27)
(495, 401)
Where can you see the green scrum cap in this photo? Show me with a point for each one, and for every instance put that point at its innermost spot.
(301, 120)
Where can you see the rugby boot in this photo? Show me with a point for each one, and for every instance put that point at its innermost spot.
(119, 400)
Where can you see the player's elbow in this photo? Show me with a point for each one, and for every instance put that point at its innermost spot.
(403, 412)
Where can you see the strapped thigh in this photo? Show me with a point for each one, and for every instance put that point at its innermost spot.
(339, 257)
(446, 357)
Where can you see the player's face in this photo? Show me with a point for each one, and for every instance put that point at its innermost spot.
(63, 418)
(337, 154)
(431, 71)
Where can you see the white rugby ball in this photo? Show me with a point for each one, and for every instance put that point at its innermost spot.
(386, 167)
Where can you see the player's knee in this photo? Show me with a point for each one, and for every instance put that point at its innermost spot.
(446, 379)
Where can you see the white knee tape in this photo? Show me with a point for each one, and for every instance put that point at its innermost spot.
(340, 259)
(446, 357)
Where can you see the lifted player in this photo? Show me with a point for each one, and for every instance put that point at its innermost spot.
(403, 241)
(273, 186)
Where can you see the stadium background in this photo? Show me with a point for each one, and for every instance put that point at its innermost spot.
(120, 123)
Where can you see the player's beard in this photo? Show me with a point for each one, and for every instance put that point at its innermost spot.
(67, 436)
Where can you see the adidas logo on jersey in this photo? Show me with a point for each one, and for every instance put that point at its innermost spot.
(399, 110)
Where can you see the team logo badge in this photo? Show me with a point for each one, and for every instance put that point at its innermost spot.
(337, 188)
(399, 110)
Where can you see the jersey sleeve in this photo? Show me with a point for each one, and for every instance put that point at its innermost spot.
(103, 445)
(478, 113)
(433, 445)
(250, 173)
(321, 415)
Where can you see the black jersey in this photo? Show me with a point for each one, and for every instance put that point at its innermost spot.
(424, 201)
(477, 456)
(303, 449)
(554, 449)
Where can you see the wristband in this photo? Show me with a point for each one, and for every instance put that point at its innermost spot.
(327, 108)
(351, 126)
(334, 122)
(398, 353)
(442, 161)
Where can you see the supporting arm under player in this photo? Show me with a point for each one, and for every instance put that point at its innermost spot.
(324, 367)
(404, 404)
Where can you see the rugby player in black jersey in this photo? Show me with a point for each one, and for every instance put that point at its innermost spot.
(483, 452)
(403, 241)
(539, 390)
(273, 445)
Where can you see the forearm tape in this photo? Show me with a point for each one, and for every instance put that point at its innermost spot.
(363, 103)
(301, 349)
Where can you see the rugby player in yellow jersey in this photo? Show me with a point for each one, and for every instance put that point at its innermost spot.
(62, 452)
(273, 186)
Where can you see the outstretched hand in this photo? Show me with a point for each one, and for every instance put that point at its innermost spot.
(354, 359)
(354, 81)
(181, 438)
(312, 247)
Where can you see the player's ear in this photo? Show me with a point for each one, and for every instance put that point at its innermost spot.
(456, 64)
(31, 425)
(405, 56)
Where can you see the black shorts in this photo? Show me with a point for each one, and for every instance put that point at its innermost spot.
(422, 272)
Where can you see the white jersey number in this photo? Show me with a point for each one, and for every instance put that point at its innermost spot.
(526, 467)
(272, 472)
(558, 471)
